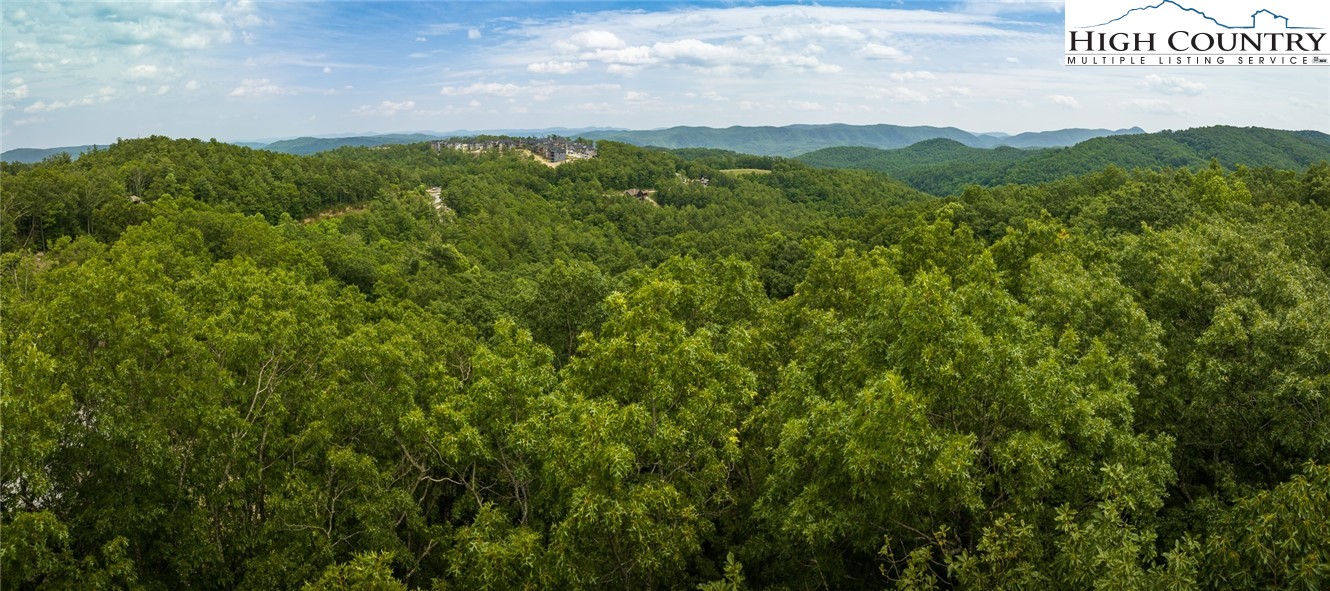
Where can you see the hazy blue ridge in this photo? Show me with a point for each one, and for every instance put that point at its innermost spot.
(311, 145)
(33, 155)
(30, 155)
(787, 141)
(793, 140)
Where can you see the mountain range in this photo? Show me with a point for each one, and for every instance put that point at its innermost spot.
(938, 160)
(793, 140)
(30, 155)
(790, 140)
(942, 166)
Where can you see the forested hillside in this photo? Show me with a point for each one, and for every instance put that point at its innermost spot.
(943, 167)
(232, 369)
(940, 167)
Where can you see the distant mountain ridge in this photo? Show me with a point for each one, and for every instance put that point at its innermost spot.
(29, 155)
(944, 167)
(793, 140)
(313, 144)
(800, 141)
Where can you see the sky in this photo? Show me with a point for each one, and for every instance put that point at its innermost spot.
(74, 73)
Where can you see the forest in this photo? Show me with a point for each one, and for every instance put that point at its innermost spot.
(227, 368)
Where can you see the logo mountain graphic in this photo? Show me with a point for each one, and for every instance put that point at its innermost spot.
(1278, 18)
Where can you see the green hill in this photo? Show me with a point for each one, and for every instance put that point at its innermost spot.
(1231, 146)
(938, 166)
(944, 167)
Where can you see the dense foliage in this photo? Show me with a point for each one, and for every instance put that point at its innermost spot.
(944, 167)
(940, 167)
(267, 371)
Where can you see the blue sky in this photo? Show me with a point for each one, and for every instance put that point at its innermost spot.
(89, 72)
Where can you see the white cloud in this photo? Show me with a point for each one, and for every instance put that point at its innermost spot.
(694, 51)
(258, 88)
(806, 105)
(847, 108)
(1064, 100)
(898, 94)
(912, 76)
(103, 95)
(534, 92)
(197, 41)
(327, 70)
(16, 89)
(144, 71)
(595, 107)
(142, 26)
(385, 108)
(877, 51)
(1155, 107)
(838, 32)
(1172, 85)
(638, 55)
(192, 85)
(819, 31)
(596, 40)
(635, 96)
(421, 39)
(1018, 6)
(555, 67)
(473, 34)
(622, 70)
(491, 88)
(45, 107)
